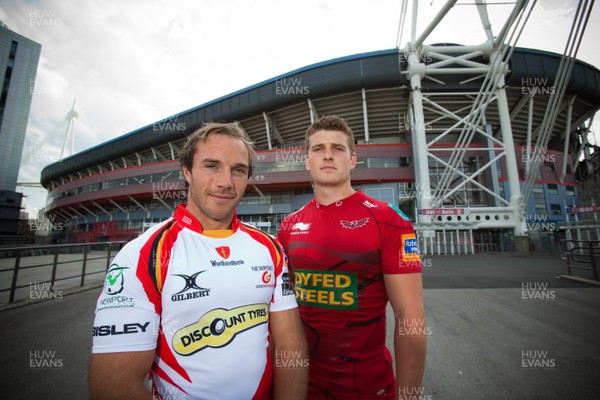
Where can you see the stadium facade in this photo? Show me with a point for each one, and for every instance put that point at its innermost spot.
(19, 58)
(409, 117)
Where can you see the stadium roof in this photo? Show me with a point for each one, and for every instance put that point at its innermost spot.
(336, 86)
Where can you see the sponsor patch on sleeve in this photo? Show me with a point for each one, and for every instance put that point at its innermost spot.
(410, 249)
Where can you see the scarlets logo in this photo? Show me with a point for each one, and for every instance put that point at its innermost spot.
(354, 224)
(217, 328)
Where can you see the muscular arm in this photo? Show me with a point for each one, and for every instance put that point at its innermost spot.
(291, 355)
(405, 292)
(120, 375)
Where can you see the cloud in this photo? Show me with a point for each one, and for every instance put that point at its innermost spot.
(132, 63)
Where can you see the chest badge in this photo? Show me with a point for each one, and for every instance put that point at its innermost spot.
(224, 251)
(354, 224)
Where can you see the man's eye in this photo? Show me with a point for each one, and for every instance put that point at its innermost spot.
(239, 171)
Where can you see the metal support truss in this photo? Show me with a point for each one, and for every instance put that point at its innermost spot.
(449, 149)
(272, 132)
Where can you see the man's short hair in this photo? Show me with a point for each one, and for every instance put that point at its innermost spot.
(330, 123)
(201, 135)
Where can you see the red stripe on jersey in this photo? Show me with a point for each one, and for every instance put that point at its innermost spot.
(145, 267)
(165, 354)
(163, 375)
(274, 248)
(163, 253)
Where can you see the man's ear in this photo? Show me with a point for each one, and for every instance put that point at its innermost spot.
(306, 162)
(353, 161)
(187, 174)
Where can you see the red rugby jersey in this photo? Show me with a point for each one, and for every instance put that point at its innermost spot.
(338, 254)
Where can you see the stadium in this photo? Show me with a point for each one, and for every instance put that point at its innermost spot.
(483, 147)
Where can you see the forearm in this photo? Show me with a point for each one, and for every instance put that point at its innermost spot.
(291, 372)
(410, 346)
(114, 376)
(128, 390)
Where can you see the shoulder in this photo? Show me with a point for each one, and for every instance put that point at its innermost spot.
(260, 236)
(133, 247)
(382, 212)
(289, 222)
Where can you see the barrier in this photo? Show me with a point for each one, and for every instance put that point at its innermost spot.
(582, 252)
(88, 254)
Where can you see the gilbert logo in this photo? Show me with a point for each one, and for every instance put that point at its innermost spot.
(224, 251)
(187, 220)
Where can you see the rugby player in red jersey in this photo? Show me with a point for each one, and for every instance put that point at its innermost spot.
(350, 254)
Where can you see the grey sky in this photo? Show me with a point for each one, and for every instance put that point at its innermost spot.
(132, 63)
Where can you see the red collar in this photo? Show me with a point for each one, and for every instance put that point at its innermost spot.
(183, 216)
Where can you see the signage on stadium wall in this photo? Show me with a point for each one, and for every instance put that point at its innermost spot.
(579, 210)
(443, 211)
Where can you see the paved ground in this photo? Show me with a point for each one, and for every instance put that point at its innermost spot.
(500, 327)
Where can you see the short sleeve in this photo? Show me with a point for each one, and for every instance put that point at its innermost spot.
(125, 319)
(400, 251)
(283, 298)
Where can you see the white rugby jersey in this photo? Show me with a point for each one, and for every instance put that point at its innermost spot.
(202, 302)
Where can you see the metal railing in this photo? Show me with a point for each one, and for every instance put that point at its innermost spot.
(89, 252)
(582, 252)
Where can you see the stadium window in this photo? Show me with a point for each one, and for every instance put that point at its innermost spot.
(570, 190)
(552, 188)
(13, 50)
(555, 209)
(382, 194)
